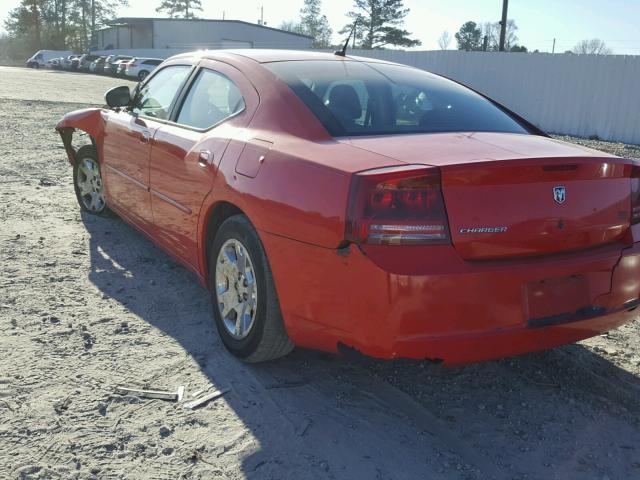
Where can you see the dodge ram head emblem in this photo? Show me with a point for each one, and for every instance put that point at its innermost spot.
(559, 194)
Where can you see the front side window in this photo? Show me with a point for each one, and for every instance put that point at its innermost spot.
(156, 96)
(212, 98)
(358, 98)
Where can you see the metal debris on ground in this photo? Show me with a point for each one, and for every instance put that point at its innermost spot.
(198, 402)
(158, 394)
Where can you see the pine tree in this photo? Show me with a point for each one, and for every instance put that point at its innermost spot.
(379, 23)
(315, 24)
(469, 37)
(180, 8)
(58, 24)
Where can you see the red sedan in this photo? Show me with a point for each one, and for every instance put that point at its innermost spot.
(330, 201)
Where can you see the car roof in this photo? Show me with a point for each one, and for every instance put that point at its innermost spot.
(267, 56)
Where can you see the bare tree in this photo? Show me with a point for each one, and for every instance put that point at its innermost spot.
(593, 46)
(492, 31)
(444, 40)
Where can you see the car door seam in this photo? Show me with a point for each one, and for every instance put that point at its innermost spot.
(171, 201)
(135, 181)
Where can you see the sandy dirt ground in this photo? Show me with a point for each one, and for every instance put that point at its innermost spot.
(87, 304)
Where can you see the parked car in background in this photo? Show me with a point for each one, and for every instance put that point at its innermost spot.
(97, 65)
(141, 67)
(431, 221)
(54, 63)
(118, 66)
(122, 66)
(85, 61)
(68, 62)
(41, 57)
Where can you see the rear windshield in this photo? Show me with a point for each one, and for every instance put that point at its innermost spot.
(357, 98)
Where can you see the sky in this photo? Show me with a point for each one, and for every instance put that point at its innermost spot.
(539, 21)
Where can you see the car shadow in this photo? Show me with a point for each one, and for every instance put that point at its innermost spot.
(566, 413)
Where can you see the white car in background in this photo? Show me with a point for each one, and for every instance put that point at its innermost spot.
(42, 57)
(141, 67)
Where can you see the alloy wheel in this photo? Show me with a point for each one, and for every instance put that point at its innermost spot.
(89, 183)
(236, 289)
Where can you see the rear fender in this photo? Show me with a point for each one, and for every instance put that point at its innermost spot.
(88, 120)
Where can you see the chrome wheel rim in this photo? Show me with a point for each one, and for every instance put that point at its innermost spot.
(236, 289)
(90, 185)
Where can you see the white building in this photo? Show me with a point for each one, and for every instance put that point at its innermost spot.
(178, 33)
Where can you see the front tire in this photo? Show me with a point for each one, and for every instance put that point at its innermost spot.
(142, 75)
(88, 184)
(245, 303)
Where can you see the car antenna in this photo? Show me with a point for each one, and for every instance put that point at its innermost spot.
(343, 52)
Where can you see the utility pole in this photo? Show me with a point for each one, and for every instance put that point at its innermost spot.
(485, 43)
(503, 24)
(261, 21)
(553, 50)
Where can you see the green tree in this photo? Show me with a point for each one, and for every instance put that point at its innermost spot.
(59, 24)
(26, 20)
(379, 24)
(180, 8)
(518, 49)
(314, 24)
(469, 37)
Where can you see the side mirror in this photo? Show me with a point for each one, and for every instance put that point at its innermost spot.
(118, 97)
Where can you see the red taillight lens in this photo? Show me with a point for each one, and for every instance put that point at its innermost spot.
(635, 194)
(397, 206)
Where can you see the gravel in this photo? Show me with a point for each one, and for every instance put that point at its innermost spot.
(615, 148)
(87, 304)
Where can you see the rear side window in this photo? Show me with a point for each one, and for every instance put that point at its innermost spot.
(156, 96)
(357, 98)
(211, 99)
(152, 62)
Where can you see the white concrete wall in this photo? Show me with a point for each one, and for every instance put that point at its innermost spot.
(580, 95)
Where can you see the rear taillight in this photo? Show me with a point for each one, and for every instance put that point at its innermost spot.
(397, 206)
(635, 194)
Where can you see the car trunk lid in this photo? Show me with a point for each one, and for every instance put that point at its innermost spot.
(510, 195)
(537, 206)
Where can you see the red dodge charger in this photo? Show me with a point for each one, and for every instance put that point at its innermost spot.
(336, 202)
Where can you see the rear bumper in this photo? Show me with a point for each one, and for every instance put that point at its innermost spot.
(462, 349)
(428, 303)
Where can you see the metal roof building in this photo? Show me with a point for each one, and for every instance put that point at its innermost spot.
(178, 33)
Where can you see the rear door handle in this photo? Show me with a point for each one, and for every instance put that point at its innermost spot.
(205, 158)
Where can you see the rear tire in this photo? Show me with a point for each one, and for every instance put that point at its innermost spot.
(88, 184)
(243, 290)
(142, 75)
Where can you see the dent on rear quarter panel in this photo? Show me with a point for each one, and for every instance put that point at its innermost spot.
(88, 120)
